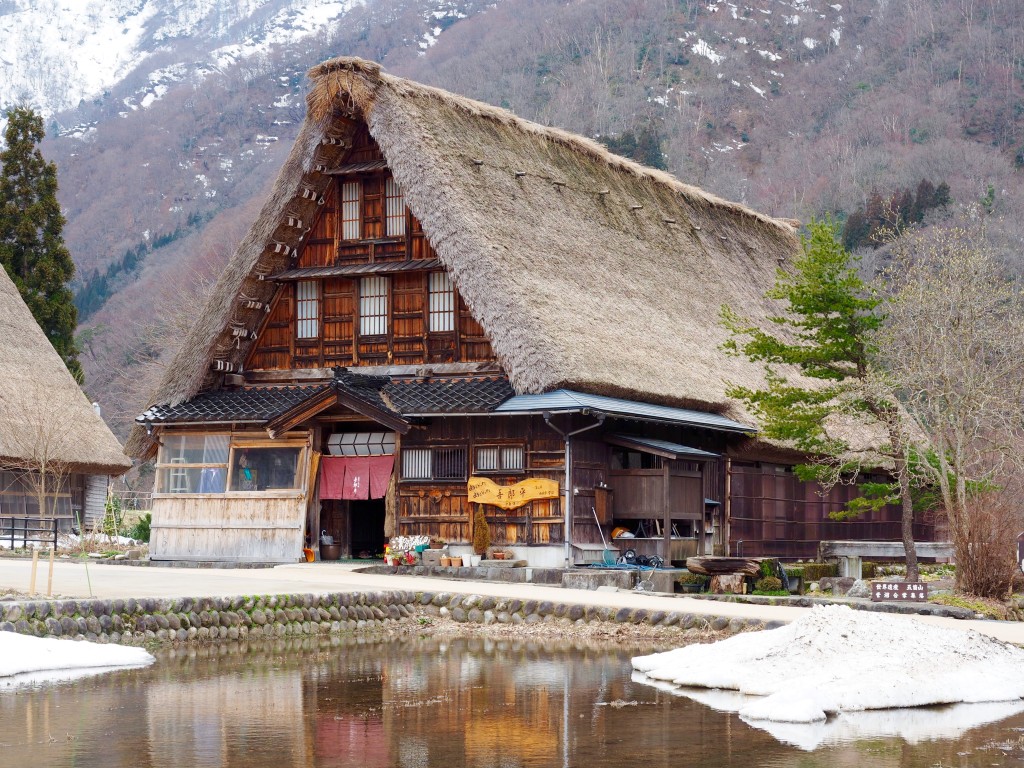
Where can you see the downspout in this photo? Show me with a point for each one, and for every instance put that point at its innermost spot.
(567, 437)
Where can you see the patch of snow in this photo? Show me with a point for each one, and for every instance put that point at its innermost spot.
(836, 7)
(701, 48)
(736, 83)
(810, 43)
(792, 21)
(25, 659)
(759, 91)
(835, 34)
(769, 55)
(742, 40)
(835, 660)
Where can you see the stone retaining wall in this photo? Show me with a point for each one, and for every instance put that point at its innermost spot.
(183, 620)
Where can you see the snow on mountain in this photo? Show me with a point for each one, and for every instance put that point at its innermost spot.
(56, 53)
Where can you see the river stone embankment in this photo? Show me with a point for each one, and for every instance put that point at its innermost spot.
(203, 619)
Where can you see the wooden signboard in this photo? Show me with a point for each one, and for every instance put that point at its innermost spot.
(902, 591)
(485, 491)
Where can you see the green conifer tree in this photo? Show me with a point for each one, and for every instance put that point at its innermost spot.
(32, 246)
(826, 332)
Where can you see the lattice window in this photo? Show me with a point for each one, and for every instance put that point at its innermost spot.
(416, 464)
(350, 215)
(442, 302)
(447, 463)
(307, 309)
(394, 208)
(499, 458)
(373, 306)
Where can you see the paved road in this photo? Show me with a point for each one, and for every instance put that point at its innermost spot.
(110, 581)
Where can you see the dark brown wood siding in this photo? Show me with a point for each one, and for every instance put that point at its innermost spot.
(441, 508)
(408, 340)
(773, 512)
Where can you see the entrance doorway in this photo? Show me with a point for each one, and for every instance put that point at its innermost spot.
(366, 519)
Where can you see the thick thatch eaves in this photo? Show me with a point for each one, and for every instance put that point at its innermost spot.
(586, 270)
(44, 415)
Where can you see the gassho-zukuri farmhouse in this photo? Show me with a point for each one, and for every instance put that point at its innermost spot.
(442, 305)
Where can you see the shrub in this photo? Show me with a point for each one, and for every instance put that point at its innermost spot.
(481, 533)
(140, 531)
(692, 578)
(768, 584)
(817, 571)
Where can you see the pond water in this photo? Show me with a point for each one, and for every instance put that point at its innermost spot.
(469, 702)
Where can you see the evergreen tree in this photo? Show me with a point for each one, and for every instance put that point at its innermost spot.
(32, 246)
(826, 333)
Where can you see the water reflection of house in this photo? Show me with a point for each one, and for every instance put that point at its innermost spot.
(436, 290)
(225, 719)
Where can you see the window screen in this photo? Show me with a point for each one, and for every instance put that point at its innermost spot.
(307, 303)
(350, 218)
(373, 306)
(442, 302)
(395, 209)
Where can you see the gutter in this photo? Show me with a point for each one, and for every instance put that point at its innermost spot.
(567, 437)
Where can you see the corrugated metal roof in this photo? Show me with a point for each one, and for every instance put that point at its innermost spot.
(662, 446)
(566, 400)
(352, 270)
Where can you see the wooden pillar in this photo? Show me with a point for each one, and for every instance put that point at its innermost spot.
(666, 501)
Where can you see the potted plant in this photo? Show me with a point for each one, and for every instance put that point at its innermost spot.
(456, 561)
(436, 542)
(446, 561)
(691, 583)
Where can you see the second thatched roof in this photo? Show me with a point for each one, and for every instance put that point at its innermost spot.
(44, 415)
(586, 270)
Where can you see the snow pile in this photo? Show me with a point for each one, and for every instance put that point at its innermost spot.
(836, 659)
(22, 658)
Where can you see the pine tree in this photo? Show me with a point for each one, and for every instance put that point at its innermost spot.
(32, 246)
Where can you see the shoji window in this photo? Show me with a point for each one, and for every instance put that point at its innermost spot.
(442, 302)
(394, 209)
(350, 218)
(373, 306)
(307, 306)
(416, 464)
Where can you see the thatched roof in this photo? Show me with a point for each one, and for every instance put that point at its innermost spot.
(44, 415)
(587, 271)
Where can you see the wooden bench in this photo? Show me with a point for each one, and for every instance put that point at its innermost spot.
(851, 553)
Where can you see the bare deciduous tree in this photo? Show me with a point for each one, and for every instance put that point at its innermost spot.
(954, 354)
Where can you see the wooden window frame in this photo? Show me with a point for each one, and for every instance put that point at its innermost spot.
(380, 317)
(501, 469)
(241, 442)
(433, 465)
(395, 224)
(351, 205)
(441, 303)
(304, 324)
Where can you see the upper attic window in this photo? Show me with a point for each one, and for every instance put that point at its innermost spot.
(442, 302)
(350, 218)
(394, 209)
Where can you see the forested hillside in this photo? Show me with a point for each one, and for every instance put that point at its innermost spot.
(797, 107)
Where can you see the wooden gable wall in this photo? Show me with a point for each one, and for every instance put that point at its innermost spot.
(338, 340)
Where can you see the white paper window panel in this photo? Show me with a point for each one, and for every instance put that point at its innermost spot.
(361, 444)
(373, 306)
(307, 309)
(442, 302)
(350, 219)
(486, 459)
(395, 211)
(416, 464)
(512, 457)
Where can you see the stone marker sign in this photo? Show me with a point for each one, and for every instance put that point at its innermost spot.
(1020, 551)
(909, 591)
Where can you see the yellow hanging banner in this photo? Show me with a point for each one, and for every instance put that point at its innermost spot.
(485, 491)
